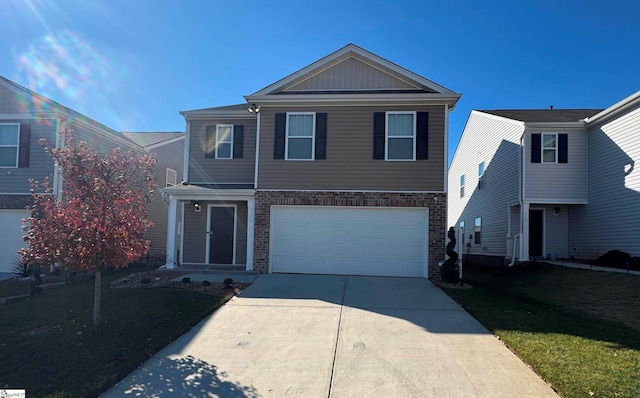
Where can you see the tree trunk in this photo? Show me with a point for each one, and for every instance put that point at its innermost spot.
(96, 297)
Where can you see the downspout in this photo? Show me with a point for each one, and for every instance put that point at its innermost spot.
(255, 172)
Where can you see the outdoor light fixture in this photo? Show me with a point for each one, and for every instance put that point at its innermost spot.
(254, 108)
(196, 206)
(556, 211)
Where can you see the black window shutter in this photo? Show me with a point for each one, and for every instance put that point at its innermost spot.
(238, 141)
(321, 136)
(23, 147)
(422, 135)
(378, 135)
(210, 142)
(563, 146)
(279, 137)
(536, 143)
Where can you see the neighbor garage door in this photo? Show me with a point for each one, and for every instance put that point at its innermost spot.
(349, 240)
(10, 237)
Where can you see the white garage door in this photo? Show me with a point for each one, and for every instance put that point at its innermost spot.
(349, 240)
(10, 237)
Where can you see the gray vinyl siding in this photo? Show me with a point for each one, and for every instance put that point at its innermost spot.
(40, 163)
(10, 102)
(195, 233)
(350, 73)
(556, 228)
(100, 140)
(558, 181)
(496, 141)
(349, 164)
(167, 156)
(611, 220)
(208, 170)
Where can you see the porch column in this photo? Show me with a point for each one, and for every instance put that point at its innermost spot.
(524, 232)
(172, 227)
(251, 212)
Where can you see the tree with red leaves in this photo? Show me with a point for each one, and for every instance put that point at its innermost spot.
(101, 218)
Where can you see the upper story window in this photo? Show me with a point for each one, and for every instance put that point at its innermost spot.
(462, 186)
(171, 177)
(401, 136)
(224, 141)
(9, 144)
(481, 175)
(477, 236)
(549, 148)
(300, 136)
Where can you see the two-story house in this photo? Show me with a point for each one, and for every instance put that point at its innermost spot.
(25, 118)
(545, 183)
(338, 168)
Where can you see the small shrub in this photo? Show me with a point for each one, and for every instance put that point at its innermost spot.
(449, 273)
(614, 259)
(145, 281)
(206, 283)
(634, 263)
(22, 268)
(186, 279)
(228, 282)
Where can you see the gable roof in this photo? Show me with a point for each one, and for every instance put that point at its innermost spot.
(236, 109)
(544, 115)
(353, 74)
(146, 139)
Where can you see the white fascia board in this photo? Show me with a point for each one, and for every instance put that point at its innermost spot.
(501, 118)
(619, 106)
(207, 115)
(163, 143)
(357, 99)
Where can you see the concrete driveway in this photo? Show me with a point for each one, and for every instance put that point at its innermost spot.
(336, 336)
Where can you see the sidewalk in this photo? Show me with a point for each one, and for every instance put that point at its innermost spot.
(592, 267)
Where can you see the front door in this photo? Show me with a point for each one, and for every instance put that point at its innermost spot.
(536, 232)
(221, 235)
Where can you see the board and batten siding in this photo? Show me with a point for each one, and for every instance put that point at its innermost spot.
(194, 242)
(611, 219)
(349, 164)
(16, 180)
(496, 141)
(209, 170)
(559, 182)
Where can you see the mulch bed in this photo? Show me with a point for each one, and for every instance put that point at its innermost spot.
(166, 279)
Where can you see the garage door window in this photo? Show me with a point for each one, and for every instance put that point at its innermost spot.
(9, 139)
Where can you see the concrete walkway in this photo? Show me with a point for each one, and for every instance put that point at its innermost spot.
(593, 267)
(336, 336)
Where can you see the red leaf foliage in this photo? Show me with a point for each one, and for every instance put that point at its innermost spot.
(101, 217)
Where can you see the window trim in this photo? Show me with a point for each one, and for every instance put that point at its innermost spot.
(218, 142)
(168, 172)
(462, 184)
(313, 136)
(477, 231)
(16, 146)
(387, 137)
(555, 148)
(481, 170)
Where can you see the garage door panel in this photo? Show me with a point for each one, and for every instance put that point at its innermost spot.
(349, 240)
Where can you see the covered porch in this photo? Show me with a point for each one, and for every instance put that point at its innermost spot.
(210, 227)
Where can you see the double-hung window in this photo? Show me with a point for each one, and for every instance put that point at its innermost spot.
(224, 141)
(477, 238)
(171, 177)
(9, 144)
(401, 136)
(461, 232)
(462, 186)
(480, 175)
(549, 148)
(301, 133)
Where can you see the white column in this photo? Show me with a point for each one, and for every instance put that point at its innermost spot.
(172, 227)
(251, 212)
(524, 232)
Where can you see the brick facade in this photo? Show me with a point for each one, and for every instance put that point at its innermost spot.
(436, 202)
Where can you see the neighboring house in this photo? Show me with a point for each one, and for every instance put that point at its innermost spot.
(25, 118)
(339, 168)
(169, 150)
(546, 183)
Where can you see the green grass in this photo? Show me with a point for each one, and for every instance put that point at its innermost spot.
(71, 358)
(579, 330)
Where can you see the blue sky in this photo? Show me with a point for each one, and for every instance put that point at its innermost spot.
(133, 64)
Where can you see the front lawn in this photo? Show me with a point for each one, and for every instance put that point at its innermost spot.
(578, 329)
(49, 347)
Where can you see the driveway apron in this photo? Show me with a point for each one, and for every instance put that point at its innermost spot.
(336, 336)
